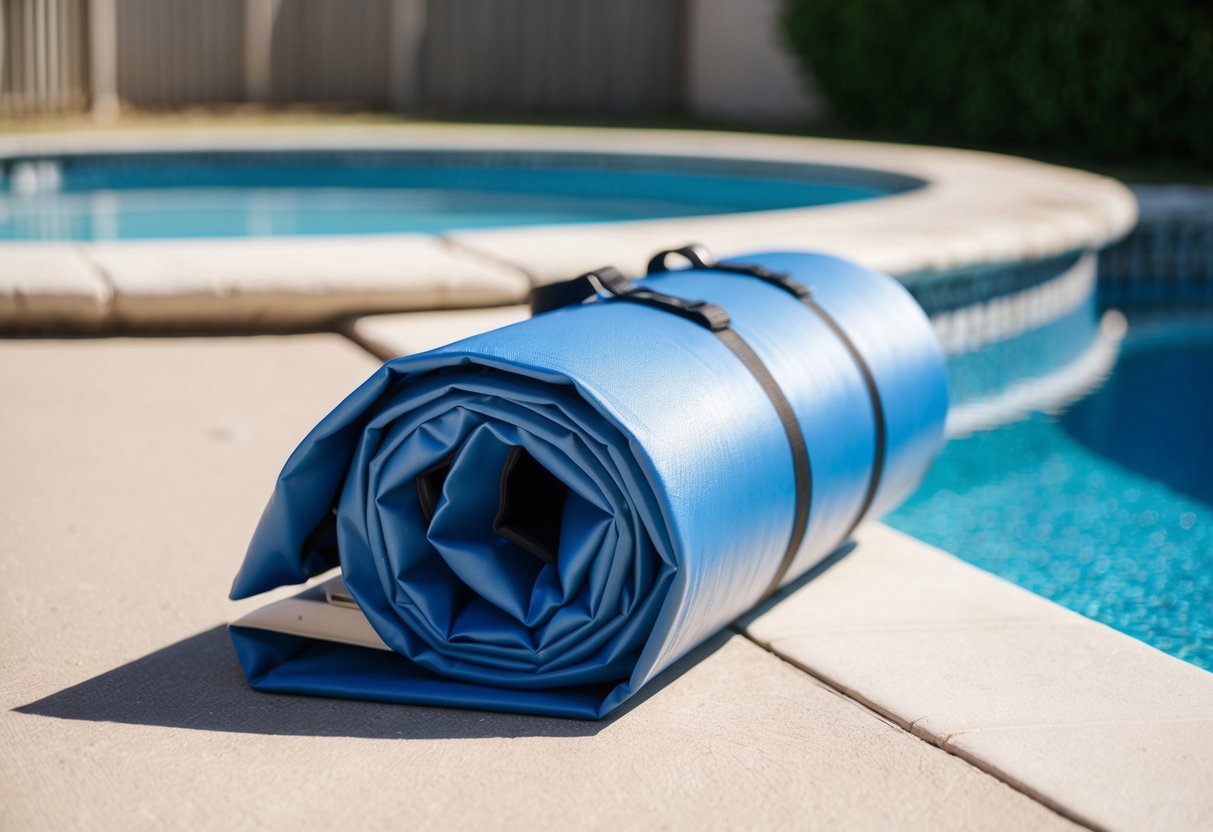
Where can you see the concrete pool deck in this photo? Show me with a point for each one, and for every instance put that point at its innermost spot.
(898, 689)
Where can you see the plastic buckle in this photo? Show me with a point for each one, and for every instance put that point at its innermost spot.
(609, 284)
(612, 285)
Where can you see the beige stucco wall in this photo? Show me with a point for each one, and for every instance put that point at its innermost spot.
(738, 67)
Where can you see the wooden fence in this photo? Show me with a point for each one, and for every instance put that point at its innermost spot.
(553, 56)
(179, 52)
(43, 56)
(420, 56)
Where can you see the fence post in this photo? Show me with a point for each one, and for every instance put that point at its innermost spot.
(407, 40)
(103, 49)
(259, 18)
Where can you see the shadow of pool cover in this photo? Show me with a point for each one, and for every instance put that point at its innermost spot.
(197, 683)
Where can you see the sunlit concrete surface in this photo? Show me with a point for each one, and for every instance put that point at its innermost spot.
(407, 333)
(135, 471)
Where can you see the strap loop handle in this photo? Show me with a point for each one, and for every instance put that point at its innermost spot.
(699, 257)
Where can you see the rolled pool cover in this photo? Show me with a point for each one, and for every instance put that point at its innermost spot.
(542, 518)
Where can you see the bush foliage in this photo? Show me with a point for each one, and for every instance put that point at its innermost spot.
(1099, 79)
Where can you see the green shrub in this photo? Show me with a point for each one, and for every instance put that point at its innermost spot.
(1099, 79)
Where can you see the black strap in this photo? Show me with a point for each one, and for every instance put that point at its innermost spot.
(608, 284)
(802, 471)
(880, 444)
(699, 258)
(557, 295)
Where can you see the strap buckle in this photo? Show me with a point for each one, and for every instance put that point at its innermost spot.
(608, 284)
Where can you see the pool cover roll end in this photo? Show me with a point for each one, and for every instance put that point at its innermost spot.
(542, 518)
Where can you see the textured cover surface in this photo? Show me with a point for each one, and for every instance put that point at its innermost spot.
(679, 479)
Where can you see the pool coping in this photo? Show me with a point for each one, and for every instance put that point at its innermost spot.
(1100, 727)
(976, 209)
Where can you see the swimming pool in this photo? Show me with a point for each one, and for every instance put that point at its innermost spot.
(1105, 507)
(244, 194)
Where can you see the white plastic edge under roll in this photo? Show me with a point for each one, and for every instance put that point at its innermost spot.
(326, 619)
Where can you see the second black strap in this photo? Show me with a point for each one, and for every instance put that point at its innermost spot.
(802, 472)
(698, 257)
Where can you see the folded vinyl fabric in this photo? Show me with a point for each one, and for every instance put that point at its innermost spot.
(542, 518)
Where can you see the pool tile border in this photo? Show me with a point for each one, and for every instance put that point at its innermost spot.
(999, 316)
(1172, 246)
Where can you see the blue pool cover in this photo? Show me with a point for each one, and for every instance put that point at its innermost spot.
(542, 518)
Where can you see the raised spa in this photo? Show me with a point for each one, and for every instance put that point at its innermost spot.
(161, 195)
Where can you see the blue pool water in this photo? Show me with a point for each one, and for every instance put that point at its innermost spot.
(1106, 508)
(173, 195)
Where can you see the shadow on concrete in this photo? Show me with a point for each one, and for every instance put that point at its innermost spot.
(197, 683)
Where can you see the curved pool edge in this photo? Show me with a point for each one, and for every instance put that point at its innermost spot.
(976, 209)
